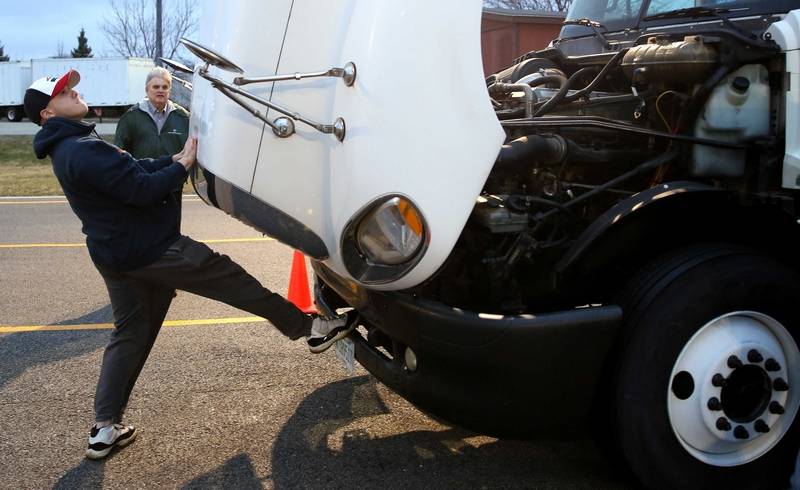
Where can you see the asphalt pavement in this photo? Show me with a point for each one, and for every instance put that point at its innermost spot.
(224, 401)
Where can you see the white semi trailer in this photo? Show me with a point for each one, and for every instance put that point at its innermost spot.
(15, 77)
(108, 85)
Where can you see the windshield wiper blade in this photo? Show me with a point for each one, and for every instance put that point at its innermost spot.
(694, 12)
(596, 26)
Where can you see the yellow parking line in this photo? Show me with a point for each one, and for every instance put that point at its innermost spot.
(101, 326)
(74, 245)
(234, 240)
(64, 201)
(40, 245)
(32, 202)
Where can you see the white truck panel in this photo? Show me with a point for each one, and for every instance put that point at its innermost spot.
(236, 134)
(15, 78)
(787, 34)
(105, 82)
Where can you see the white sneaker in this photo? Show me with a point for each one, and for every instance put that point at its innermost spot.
(326, 331)
(102, 441)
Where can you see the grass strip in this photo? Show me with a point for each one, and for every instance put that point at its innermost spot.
(22, 174)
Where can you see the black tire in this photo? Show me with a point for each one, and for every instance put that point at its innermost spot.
(664, 306)
(14, 114)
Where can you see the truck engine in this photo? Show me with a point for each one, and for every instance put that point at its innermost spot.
(586, 132)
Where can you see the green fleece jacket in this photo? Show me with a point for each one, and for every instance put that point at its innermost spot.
(138, 135)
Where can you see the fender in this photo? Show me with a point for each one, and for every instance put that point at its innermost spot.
(671, 215)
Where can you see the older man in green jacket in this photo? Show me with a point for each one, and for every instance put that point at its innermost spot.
(156, 126)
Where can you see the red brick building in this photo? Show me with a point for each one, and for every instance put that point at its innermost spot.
(507, 34)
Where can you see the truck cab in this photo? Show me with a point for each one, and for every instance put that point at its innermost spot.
(598, 239)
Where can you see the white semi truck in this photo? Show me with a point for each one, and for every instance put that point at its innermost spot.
(600, 239)
(108, 85)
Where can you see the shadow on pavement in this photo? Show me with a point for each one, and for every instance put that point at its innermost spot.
(329, 443)
(20, 351)
(237, 472)
(87, 476)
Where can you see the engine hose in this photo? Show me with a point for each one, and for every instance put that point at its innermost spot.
(562, 93)
(560, 122)
(563, 87)
(639, 169)
(549, 149)
(599, 78)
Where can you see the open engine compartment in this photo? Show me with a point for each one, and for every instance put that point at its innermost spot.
(588, 136)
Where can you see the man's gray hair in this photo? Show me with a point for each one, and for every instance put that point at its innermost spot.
(158, 72)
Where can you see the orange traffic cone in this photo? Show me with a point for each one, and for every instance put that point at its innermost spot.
(299, 293)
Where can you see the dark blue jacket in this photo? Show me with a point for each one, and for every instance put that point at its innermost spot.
(128, 215)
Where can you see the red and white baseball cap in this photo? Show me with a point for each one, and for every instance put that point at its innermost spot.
(42, 90)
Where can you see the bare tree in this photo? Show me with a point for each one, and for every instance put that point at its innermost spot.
(60, 51)
(544, 5)
(131, 27)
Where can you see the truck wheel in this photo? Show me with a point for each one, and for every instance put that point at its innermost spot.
(14, 114)
(708, 383)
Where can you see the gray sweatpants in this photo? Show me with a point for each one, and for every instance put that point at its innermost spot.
(140, 300)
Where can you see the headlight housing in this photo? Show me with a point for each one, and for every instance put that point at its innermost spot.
(385, 240)
(392, 233)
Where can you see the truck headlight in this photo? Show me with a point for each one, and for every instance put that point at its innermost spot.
(392, 233)
(384, 241)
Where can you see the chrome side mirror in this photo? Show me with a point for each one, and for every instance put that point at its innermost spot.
(178, 67)
(211, 57)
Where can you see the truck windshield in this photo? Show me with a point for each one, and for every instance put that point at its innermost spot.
(617, 15)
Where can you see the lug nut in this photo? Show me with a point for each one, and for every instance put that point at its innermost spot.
(754, 356)
(734, 362)
(723, 424)
(740, 432)
(772, 365)
(718, 380)
(776, 408)
(761, 426)
(714, 404)
(780, 385)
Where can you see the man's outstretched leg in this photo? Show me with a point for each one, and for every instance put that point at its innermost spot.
(192, 266)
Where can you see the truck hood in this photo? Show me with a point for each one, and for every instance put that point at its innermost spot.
(419, 121)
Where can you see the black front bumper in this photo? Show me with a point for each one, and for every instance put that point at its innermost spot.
(508, 375)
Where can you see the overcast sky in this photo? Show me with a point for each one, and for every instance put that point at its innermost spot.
(33, 28)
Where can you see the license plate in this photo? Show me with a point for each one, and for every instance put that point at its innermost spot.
(346, 353)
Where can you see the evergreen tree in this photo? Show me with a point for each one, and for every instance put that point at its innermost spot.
(3, 55)
(83, 50)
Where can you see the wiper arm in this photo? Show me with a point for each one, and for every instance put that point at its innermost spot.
(595, 26)
(696, 12)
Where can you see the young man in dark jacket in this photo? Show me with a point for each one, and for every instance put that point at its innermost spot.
(132, 233)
